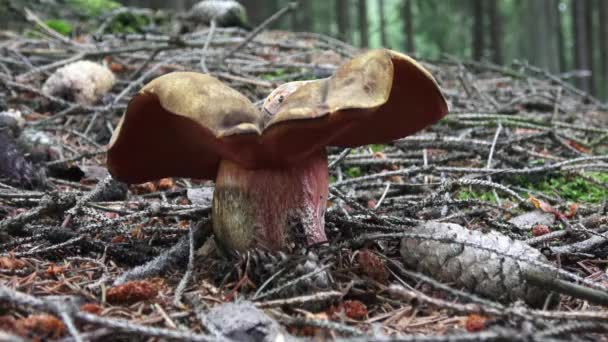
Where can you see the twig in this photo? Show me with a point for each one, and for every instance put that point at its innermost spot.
(290, 7)
(181, 287)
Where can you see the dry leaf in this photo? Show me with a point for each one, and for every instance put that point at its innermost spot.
(12, 263)
(92, 308)
(111, 215)
(144, 188)
(166, 184)
(547, 208)
(379, 155)
(371, 204)
(572, 209)
(8, 323)
(353, 309)
(43, 326)
(55, 270)
(540, 229)
(526, 131)
(475, 323)
(118, 239)
(578, 146)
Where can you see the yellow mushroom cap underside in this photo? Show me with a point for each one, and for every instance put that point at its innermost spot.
(181, 124)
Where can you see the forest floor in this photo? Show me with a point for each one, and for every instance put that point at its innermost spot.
(522, 153)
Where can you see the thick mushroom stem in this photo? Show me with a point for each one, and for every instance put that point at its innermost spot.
(273, 208)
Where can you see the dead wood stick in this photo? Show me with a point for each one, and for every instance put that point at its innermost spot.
(290, 7)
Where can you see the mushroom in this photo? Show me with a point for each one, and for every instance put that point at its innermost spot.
(225, 12)
(270, 166)
(85, 82)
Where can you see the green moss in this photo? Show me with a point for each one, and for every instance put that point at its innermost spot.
(354, 171)
(571, 188)
(377, 148)
(536, 162)
(470, 194)
(61, 26)
(128, 23)
(270, 76)
(94, 7)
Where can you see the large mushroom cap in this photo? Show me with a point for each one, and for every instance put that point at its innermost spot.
(181, 124)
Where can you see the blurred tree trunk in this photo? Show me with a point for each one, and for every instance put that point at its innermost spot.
(178, 5)
(559, 29)
(255, 12)
(306, 16)
(260, 10)
(273, 6)
(323, 16)
(589, 10)
(603, 46)
(383, 38)
(543, 40)
(478, 30)
(495, 31)
(408, 27)
(362, 21)
(343, 18)
(581, 47)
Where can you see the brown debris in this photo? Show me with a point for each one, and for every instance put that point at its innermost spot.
(132, 292)
(372, 266)
(475, 323)
(540, 229)
(12, 263)
(353, 309)
(40, 327)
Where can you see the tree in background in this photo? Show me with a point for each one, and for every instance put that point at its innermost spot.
(603, 46)
(408, 27)
(559, 29)
(582, 50)
(542, 42)
(478, 30)
(558, 35)
(363, 24)
(495, 24)
(343, 19)
(382, 19)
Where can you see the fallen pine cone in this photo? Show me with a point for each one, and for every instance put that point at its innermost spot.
(480, 271)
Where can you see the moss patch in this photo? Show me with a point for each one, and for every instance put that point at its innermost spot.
(94, 8)
(470, 194)
(128, 23)
(571, 188)
(61, 26)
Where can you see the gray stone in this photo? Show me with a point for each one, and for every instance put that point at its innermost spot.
(242, 321)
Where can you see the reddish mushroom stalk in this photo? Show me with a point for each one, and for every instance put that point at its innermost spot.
(271, 208)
